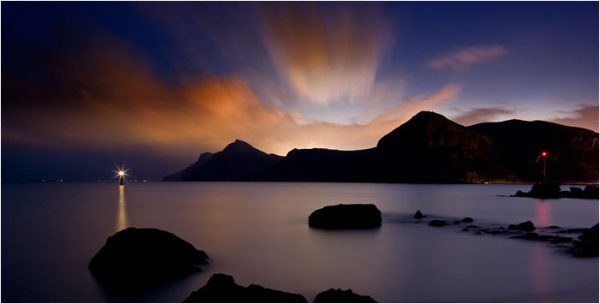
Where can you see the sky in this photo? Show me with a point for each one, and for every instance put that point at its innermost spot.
(87, 86)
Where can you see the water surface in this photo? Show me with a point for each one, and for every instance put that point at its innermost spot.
(258, 233)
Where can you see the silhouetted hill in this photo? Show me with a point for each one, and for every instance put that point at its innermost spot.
(516, 145)
(428, 148)
(325, 165)
(431, 148)
(239, 161)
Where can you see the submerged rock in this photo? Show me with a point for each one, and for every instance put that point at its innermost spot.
(525, 226)
(438, 223)
(342, 296)
(419, 215)
(555, 239)
(586, 244)
(466, 220)
(472, 227)
(221, 288)
(136, 257)
(355, 216)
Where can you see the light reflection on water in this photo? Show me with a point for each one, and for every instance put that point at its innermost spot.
(122, 214)
(543, 216)
(258, 233)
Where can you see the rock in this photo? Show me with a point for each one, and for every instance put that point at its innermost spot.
(574, 230)
(587, 243)
(546, 238)
(137, 257)
(494, 231)
(438, 223)
(470, 227)
(467, 220)
(221, 288)
(525, 226)
(552, 190)
(419, 215)
(590, 235)
(355, 216)
(341, 296)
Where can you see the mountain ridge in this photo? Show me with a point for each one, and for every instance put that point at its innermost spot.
(428, 148)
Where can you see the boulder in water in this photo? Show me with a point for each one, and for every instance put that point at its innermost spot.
(137, 257)
(354, 216)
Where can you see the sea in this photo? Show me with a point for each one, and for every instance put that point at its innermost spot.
(259, 234)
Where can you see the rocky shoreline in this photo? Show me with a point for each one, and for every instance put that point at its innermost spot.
(578, 242)
(138, 258)
(553, 190)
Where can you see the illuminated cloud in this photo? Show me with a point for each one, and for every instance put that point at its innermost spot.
(115, 101)
(326, 58)
(478, 115)
(584, 117)
(461, 59)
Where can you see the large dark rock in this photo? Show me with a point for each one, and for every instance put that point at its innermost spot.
(342, 296)
(355, 216)
(138, 257)
(525, 226)
(221, 288)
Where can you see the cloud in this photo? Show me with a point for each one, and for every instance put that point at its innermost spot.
(461, 59)
(106, 97)
(326, 58)
(584, 117)
(477, 115)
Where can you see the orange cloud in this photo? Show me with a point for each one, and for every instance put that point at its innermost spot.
(325, 60)
(478, 115)
(461, 59)
(584, 117)
(110, 98)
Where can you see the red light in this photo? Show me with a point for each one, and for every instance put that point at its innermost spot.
(544, 154)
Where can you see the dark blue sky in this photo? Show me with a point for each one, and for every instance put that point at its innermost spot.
(87, 85)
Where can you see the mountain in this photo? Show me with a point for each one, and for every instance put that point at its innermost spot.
(239, 161)
(429, 148)
(325, 165)
(516, 145)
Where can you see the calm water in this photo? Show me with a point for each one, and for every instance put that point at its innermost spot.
(258, 233)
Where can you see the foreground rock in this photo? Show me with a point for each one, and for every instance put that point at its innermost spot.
(137, 257)
(356, 216)
(342, 296)
(221, 288)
